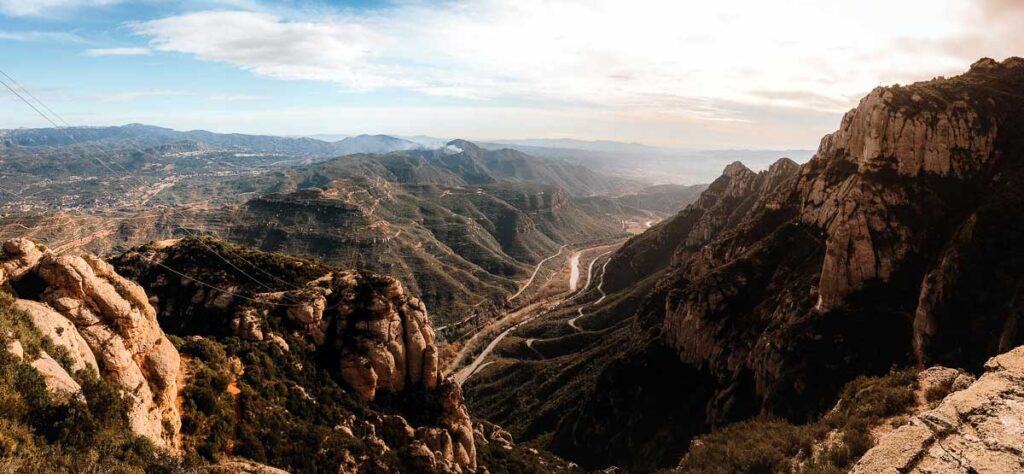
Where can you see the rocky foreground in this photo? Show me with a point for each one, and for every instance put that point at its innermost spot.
(104, 323)
(976, 429)
(335, 370)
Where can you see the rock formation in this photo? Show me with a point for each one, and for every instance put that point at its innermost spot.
(105, 324)
(385, 344)
(730, 199)
(365, 327)
(978, 428)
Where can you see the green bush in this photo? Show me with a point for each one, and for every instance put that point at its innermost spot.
(770, 445)
(41, 434)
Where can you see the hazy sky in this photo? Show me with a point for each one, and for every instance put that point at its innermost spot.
(696, 74)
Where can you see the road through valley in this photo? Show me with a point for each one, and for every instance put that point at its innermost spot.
(523, 314)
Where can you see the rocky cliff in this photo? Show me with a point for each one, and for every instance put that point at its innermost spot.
(730, 199)
(103, 323)
(977, 428)
(897, 244)
(364, 328)
(842, 265)
(346, 359)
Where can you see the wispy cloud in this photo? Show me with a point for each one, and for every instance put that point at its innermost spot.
(46, 7)
(101, 52)
(41, 36)
(135, 95)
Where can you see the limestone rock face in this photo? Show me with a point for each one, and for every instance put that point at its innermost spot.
(979, 429)
(386, 345)
(372, 334)
(106, 324)
(384, 340)
(903, 135)
(58, 381)
(62, 332)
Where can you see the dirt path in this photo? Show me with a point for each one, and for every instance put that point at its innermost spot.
(534, 275)
(529, 345)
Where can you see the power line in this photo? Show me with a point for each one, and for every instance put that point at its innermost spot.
(128, 174)
(30, 94)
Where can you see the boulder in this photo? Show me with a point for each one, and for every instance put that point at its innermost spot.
(19, 256)
(61, 331)
(58, 381)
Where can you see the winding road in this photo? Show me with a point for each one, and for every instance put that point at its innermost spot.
(579, 311)
(533, 310)
(534, 275)
(462, 374)
(574, 273)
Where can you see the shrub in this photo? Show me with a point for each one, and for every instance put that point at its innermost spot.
(40, 434)
(769, 445)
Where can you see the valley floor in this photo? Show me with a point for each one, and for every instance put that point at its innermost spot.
(565, 281)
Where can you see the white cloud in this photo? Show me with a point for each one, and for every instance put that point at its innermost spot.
(45, 36)
(805, 54)
(44, 7)
(344, 52)
(101, 52)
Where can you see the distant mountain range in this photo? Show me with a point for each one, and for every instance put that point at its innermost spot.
(629, 160)
(148, 136)
(633, 160)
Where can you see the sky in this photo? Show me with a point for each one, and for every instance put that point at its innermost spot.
(729, 74)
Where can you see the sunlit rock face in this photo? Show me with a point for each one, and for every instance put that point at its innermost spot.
(977, 428)
(106, 324)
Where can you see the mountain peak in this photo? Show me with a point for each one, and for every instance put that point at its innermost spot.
(735, 168)
(985, 63)
(989, 64)
(783, 163)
